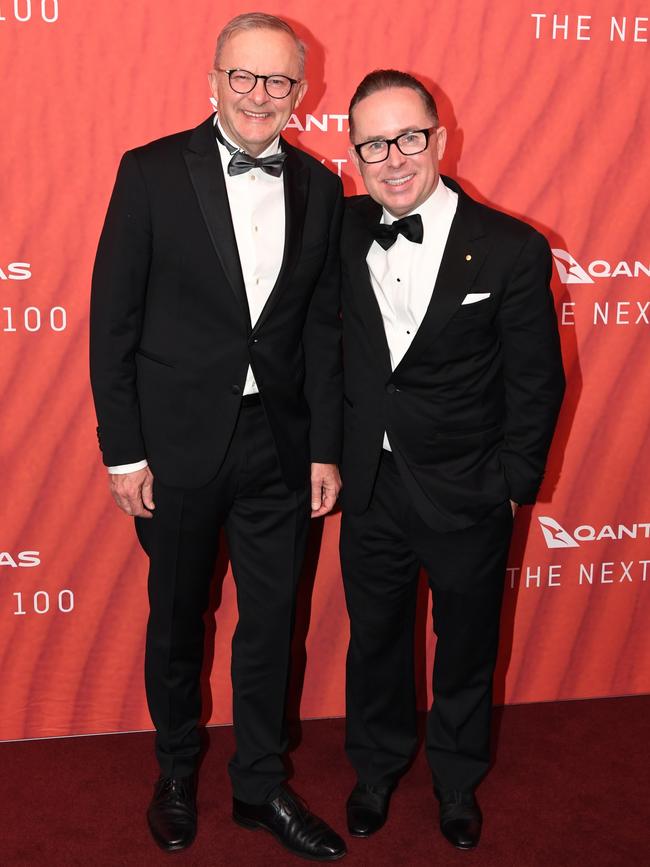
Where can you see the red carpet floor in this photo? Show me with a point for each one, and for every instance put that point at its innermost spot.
(569, 787)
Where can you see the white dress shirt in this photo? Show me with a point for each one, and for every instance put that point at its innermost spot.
(256, 201)
(403, 276)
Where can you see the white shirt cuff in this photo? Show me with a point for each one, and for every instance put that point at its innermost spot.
(127, 468)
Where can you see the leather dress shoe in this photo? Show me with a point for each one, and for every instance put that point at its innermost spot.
(172, 812)
(460, 818)
(367, 809)
(291, 823)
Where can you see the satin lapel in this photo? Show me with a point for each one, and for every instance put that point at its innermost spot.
(463, 256)
(296, 189)
(357, 241)
(206, 173)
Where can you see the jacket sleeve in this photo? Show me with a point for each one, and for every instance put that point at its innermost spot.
(116, 312)
(532, 369)
(322, 348)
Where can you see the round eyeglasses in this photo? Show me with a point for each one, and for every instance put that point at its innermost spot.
(243, 81)
(408, 143)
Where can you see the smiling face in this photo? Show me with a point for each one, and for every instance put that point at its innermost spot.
(399, 183)
(252, 120)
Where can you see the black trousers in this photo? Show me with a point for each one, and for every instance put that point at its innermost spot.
(382, 551)
(266, 526)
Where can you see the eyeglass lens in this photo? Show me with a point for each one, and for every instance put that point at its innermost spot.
(243, 81)
(408, 144)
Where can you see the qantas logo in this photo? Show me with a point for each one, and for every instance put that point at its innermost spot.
(571, 271)
(556, 536)
(568, 268)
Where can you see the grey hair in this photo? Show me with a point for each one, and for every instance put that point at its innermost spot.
(259, 21)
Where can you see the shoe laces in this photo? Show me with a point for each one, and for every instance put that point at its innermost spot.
(308, 828)
(174, 789)
(294, 804)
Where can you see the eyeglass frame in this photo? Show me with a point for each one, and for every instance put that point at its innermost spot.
(395, 141)
(265, 78)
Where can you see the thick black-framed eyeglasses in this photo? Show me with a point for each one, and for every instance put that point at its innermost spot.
(408, 143)
(243, 81)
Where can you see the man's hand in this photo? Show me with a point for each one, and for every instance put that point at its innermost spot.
(514, 506)
(133, 492)
(325, 487)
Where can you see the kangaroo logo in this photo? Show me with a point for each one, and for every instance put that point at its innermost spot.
(555, 535)
(568, 268)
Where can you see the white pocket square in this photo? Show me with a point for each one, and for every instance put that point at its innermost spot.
(473, 297)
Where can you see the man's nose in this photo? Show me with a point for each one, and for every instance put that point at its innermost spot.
(395, 157)
(258, 93)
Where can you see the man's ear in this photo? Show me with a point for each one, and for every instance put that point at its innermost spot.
(354, 157)
(213, 77)
(441, 141)
(302, 89)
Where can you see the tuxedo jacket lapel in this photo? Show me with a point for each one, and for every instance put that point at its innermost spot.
(206, 172)
(461, 261)
(463, 256)
(296, 189)
(359, 241)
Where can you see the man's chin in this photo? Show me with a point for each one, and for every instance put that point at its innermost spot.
(256, 135)
(398, 207)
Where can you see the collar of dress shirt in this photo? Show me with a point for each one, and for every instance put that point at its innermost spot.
(273, 148)
(432, 210)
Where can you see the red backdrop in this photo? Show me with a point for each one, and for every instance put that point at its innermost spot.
(547, 119)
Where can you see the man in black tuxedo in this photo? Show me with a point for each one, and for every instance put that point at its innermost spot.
(215, 362)
(452, 385)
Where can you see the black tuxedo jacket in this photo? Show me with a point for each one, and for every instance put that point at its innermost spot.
(471, 408)
(171, 337)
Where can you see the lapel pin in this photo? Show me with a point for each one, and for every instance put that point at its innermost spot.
(468, 257)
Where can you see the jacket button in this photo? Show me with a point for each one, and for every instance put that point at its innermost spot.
(390, 388)
(235, 389)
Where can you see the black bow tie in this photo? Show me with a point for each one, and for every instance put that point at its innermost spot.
(411, 227)
(241, 162)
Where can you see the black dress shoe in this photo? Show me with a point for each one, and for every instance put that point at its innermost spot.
(291, 823)
(172, 812)
(367, 809)
(460, 818)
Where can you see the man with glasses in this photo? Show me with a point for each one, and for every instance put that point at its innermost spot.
(215, 361)
(452, 385)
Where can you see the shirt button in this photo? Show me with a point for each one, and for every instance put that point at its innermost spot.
(257, 281)
(252, 176)
(398, 280)
(255, 228)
